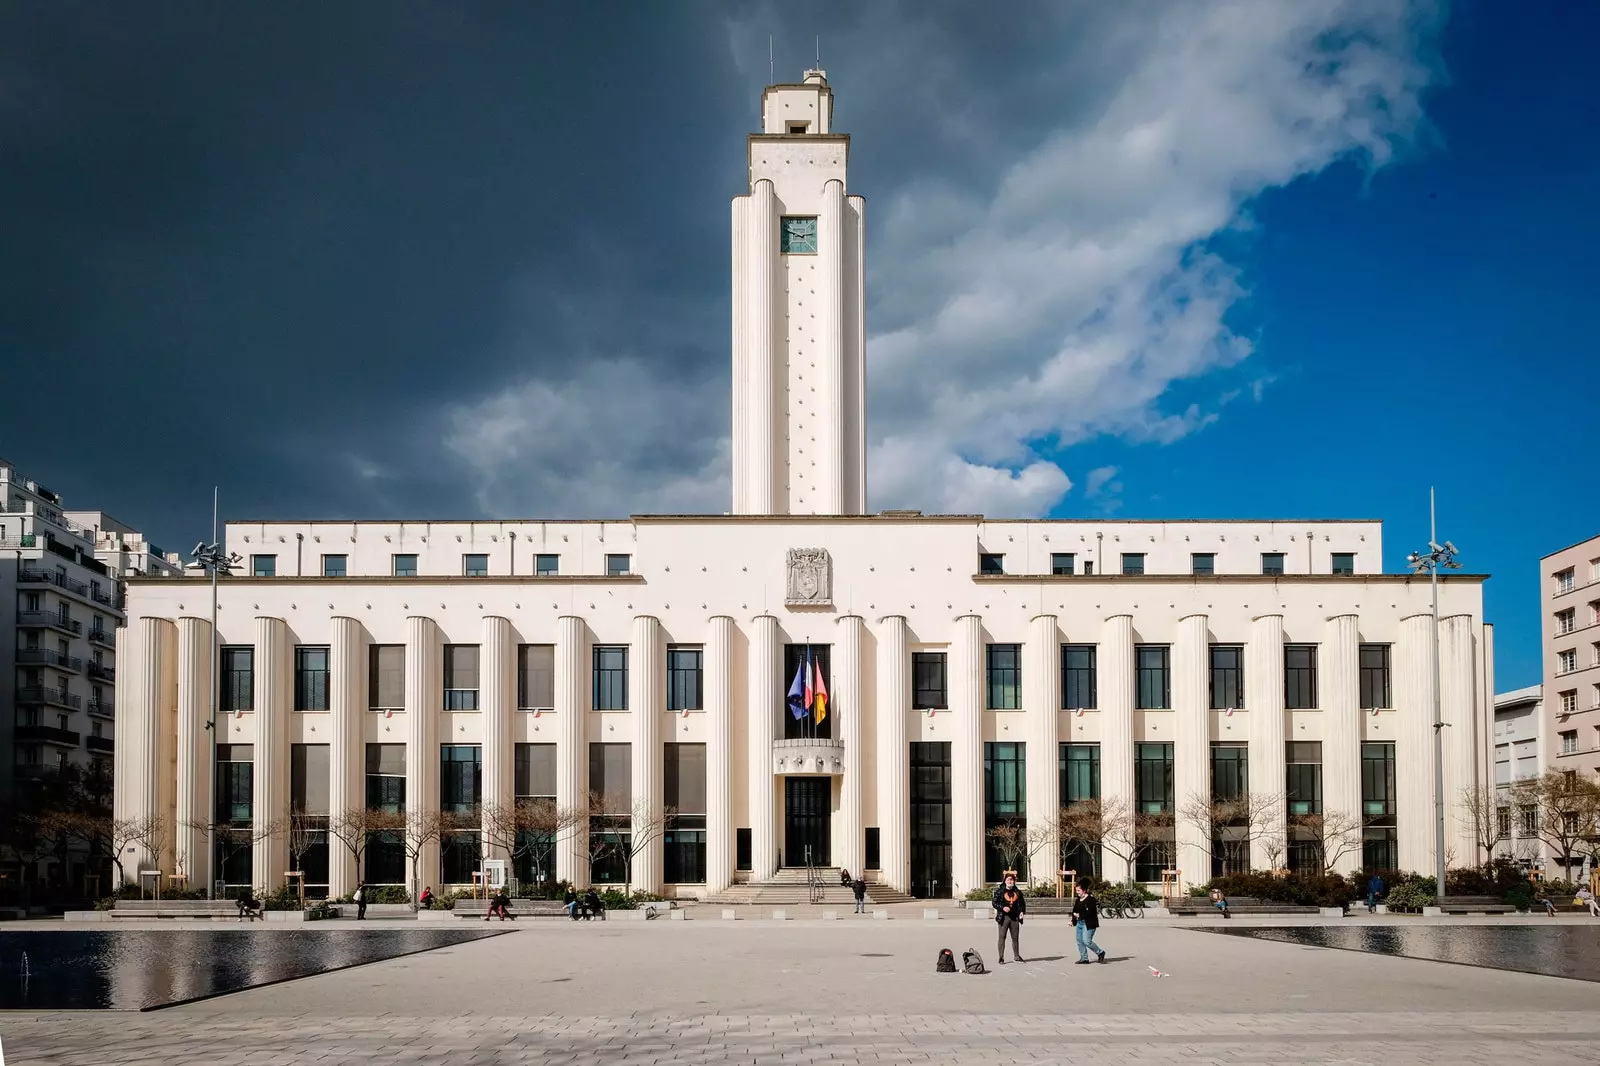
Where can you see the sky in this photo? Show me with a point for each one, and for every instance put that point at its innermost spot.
(1149, 260)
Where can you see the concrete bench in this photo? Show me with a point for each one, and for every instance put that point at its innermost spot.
(175, 908)
(1239, 906)
(520, 908)
(1470, 905)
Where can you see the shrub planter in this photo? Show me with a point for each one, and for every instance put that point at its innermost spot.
(284, 916)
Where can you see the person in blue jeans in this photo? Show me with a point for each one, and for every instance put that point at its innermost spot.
(1374, 892)
(1085, 920)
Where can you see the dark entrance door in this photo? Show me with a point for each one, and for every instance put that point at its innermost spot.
(807, 804)
(931, 836)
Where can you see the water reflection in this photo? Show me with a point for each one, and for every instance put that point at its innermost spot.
(1554, 950)
(140, 969)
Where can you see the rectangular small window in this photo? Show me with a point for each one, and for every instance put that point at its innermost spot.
(743, 851)
(238, 678)
(536, 677)
(873, 848)
(1569, 701)
(928, 691)
(311, 678)
(461, 677)
(1564, 581)
(1203, 564)
(1227, 677)
(1133, 563)
(1088, 567)
(684, 679)
(263, 566)
(618, 565)
(334, 565)
(309, 779)
(534, 771)
(1569, 742)
(1566, 621)
(386, 778)
(1230, 771)
(797, 127)
(405, 566)
(1004, 663)
(610, 677)
(1079, 766)
(474, 565)
(1078, 682)
(1152, 665)
(1063, 563)
(460, 778)
(1374, 676)
(1272, 562)
(1566, 661)
(547, 565)
(991, 564)
(1300, 677)
(1344, 562)
(1304, 782)
(1153, 779)
(386, 677)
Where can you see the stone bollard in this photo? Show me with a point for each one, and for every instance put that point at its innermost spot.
(978, 914)
(930, 914)
(830, 916)
(780, 916)
(881, 916)
(729, 914)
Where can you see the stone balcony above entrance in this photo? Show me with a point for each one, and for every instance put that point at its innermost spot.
(808, 756)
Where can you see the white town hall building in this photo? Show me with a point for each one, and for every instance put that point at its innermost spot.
(979, 673)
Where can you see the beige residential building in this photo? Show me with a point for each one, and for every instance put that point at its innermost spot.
(1570, 583)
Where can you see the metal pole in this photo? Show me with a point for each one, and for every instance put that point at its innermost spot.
(1438, 716)
(216, 665)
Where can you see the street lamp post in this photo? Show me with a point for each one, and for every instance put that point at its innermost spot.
(1437, 556)
(212, 560)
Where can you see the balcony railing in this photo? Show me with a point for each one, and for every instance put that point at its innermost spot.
(51, 696)
(48, 620)
(100, 636)
(27, 540)
(99, 744)
(46, 657)
(51, 577)
(100, 670)
(102, 709)
(101, 596)
(47, 734)
(38, 771)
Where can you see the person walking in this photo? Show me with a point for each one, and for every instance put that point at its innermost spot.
(1009, 906)
(1085, 920)
(1374, 892)
(361, 901)
(859, 887)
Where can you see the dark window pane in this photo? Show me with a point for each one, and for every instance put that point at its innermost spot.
(309, 778)
(1063, 563)
(928, 690)
(1203, 563)
(742, 849)
(1133, 562)
(684, 679)
(1154, 688)
(684, 778)
(991, 564)
(1153, 778)
(1374, 676)
(1004, 676)
(611, 776)
(460, 778)
(238, 678)
(1300, 677)
(334, 565)
(386, 677)
(611, 678)
(311, 678)
(1227, 676)
(1079, 765)
(536, 676)
(1230, 772)
(1272, 562)
(405, 566)
(475, 565)
(1344, 562)
(461, 677)
(534, 771)
(1304, 784)
(1078, 682)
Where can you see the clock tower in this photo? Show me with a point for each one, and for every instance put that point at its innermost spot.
(799, 373)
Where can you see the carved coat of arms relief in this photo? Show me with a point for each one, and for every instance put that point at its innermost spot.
(810, 581)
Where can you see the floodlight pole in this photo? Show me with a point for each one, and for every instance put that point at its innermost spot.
(1436, 556)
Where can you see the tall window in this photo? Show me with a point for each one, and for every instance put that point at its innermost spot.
(1272, 562)
(475, 565)
(1078, 683)
(536, 677)
(235, 783)
(1374, 676)
(611, 677)
(546, 565)
(460, 778)
(1566, 621)
(1304, 784)
(1153, 778)
(310, 678)
(1564, 581)
(1569, 742)
(618, 565)
(928, 690)
(1380, 848)
(1063, 563)
(386, 778)
(1566, 661)
(1133, 562)
(534, 782)
(461, 677)
(1005, 676)
(405, 566)
(1203, 564)
(1230, 771)
(820, 656)
(931, 830)
(684, 679)
(334, 565)
(1569, 701)
(263, 566)
(534, 771)
(1300, 677)
(684, 793)
(386, 677)
(238, 678)
(1344, 562)
(1152, 665)
(611, 779)
(309, 781)
(1005, 792)
(1079, 769)
(1227, 676)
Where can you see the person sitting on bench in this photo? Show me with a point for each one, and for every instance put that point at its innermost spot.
(500, 903)
(249, 906)
(592, 907)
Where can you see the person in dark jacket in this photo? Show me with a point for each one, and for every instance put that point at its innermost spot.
(859, 888)
(593, 906)
(1085, 920)
(1009, 906)
(1374, 892)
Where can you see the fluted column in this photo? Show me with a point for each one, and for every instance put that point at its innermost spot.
(740, 431)
(761, 327)
(347, 750)
(1458, 691)
(1116, 727)
(499, 681)
(1339, 664)
(765, 690)
(848, 704)
(1041, 672)
(424, 695)
(1413, 749)
(829, 489)
(195, 651)
(719, 753)
(894, 753)
(647, 696)
(274, 691)
(1191, 770)
(966, 755)
(572, 750)
(1268, 757)
(128, 766)
(154, 696)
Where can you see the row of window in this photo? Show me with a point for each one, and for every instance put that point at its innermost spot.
(1567, 619)
(1152, 677)
(1566, 580)
(1567, 659)
(473, 564)
(1200, 563)
(1568, 699)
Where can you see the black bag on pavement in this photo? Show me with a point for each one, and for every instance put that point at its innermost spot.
(947, 961)
(972, 962)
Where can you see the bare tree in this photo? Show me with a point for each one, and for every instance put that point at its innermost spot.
(305, 832)
(644, 827)
(1333, 834)
(1481, 806)
(603, 818)
(531, 829)
(232, 838)
(353, 827)
(1567, 808)
(1011, 841)
(419, 830)
(1044, 835)
(1085, 824)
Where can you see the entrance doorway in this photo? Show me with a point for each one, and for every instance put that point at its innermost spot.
(931, 836)
(807, 811)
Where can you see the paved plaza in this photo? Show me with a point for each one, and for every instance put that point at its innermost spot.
(818, 992)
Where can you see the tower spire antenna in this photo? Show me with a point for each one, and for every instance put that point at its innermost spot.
(772, 71)
(819, 51)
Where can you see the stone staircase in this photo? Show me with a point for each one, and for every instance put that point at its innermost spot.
(787, 888)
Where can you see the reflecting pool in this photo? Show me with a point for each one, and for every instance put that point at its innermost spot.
(145, 969)
(1554, 950)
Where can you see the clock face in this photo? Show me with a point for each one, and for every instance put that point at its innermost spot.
(799, 235)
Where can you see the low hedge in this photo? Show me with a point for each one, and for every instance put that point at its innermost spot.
(1296, 889)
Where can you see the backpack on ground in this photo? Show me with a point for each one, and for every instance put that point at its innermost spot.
(947, 961)
(972, 962)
